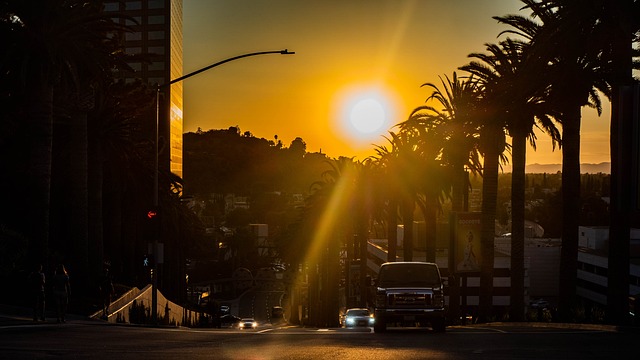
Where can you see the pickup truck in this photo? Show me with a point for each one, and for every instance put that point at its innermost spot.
(409, 293)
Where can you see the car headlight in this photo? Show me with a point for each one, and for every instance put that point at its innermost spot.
(350, 321)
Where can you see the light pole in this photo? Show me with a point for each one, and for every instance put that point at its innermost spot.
(154, 283)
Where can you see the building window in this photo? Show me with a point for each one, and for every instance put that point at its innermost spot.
(133, 36)
(135, 21)
(156, 80)
(133, 50)
(157, 50)
(111, 7)
(133, 5)
(156, 65)
(155, 19)
(156, 4)
(156, 35)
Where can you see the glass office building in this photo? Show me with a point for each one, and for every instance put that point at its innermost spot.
(157, 30)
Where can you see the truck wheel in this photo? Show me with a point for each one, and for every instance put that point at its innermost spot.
(379, 326)
(438, 325)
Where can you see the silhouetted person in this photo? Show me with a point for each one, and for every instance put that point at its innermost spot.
(106, 292)
(61, 291)
(36, 282)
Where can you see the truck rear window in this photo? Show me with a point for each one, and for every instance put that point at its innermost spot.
(409, 275)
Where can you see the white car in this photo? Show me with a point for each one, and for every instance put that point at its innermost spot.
(247, 323)
(358, 317)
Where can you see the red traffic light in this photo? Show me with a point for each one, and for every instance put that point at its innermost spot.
(152, 214)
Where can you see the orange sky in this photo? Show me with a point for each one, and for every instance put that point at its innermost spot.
(344, 48)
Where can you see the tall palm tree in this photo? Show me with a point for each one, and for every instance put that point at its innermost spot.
(435, 185)
(524, 101)
(622, 20)
(567, 39)
(401, 161)
(52, 47)
(453, 117)
(494, 94)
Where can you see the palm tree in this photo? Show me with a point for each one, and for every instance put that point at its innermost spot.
(52, 47)
(401, 162)
(524, 101)
(454, 120)
(569, 42)
(494, 94)
(453, 117)
(435, 185)
(623, 22)
(329, 201)
(388, 183)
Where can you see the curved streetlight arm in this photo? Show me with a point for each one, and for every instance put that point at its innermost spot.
(154, 284)
(282, 52)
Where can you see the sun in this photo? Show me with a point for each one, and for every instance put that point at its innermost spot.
(367, 116)
(365, 113)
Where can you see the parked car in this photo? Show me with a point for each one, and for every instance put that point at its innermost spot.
(247, 323)
(358, 317)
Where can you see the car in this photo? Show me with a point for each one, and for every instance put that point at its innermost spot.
(247, 323)
(358, 317)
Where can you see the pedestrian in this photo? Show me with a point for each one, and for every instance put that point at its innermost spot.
(61, 291)
(37, 281)
(106, 292)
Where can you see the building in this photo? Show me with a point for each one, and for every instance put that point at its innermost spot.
(593, 264)
(157, 31)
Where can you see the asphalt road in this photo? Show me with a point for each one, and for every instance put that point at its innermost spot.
(79, 339)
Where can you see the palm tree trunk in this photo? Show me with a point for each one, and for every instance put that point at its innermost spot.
(333, 277)
(407, 220)
(78, 181)
(621, 145)
(40, 117)
(570, 211)
(363, 242)
(430, 223)
(517, 227)
(488, 219)
(95, 179)
(392, 230)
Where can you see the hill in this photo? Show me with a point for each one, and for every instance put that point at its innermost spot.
(604, 168)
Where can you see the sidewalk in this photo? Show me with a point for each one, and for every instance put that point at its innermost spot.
(15, 315)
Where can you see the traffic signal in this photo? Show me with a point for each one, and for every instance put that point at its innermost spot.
(148, 260)
(152, 214)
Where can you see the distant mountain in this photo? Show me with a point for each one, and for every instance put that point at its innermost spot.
(604, 168)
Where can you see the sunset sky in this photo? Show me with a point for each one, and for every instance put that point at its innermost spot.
(355, 59)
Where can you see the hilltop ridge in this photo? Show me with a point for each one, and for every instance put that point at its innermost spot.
(585, 168)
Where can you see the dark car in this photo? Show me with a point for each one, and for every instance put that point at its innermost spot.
(228, 320)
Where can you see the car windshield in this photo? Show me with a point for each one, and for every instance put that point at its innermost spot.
(409, 275)
(358, 313)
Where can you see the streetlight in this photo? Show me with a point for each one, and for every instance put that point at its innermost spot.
(154, 284)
